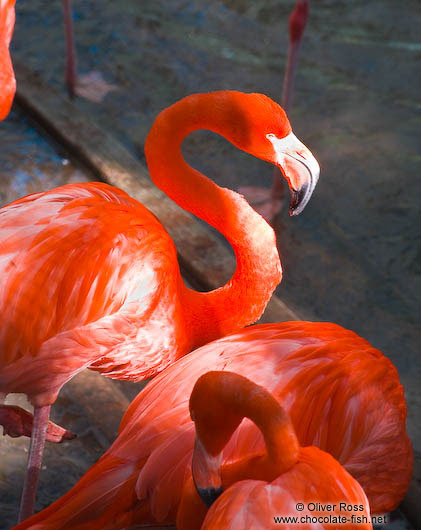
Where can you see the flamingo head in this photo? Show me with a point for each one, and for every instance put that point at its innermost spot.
(263, 130)
(298, 166)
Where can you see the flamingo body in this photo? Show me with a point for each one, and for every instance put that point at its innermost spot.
(342, 395)
(316, 479)
(91, 277)
(254, 490)
(97, 266)
(7, 76)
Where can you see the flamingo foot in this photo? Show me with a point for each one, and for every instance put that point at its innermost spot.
(93, 86)
(18, 422)
(263, 200)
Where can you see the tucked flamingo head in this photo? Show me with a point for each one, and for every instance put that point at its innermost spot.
(263, 130)
(218, 403)
(260, 484)
(7, 77)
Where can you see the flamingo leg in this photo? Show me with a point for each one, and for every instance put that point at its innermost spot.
(36, 449)
(71, 57)
(269, 202)
(291, 67)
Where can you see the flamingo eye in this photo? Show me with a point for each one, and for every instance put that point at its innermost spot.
(270, 136)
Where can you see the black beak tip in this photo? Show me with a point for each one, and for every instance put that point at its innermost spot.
(297, 202)
(209, 495)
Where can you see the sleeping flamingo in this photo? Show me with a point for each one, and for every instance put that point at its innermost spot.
(91, 277)
(343, 396)
(268, 201)
(260, 487)
(7, 76)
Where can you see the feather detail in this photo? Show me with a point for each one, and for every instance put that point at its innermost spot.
(316, 478)
(95, 503)
(95, 276)
(7, 76)
(318, 372)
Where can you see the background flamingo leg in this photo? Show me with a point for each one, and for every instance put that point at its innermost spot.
(36, 449)
(71, 57)
(268, 202)
(291, 67)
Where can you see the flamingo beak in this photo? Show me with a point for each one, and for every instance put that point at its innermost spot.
(206, 476)
(299, 167)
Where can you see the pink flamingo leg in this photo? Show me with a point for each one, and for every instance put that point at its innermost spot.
(71, 57)
(268, 202)
(296, 34)
(92, 85)
(36, 449)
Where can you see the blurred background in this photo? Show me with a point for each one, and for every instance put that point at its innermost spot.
(353, 257)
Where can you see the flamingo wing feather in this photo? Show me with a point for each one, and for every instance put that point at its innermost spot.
(7, 76)
(315, 370)
(316, 478)
(90, 271)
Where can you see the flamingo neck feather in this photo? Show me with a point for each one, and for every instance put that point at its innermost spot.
(243, 298)
(219, 402)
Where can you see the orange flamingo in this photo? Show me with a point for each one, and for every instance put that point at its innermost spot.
(7, 76)
(91, 277)
(258, 488)
(342, 395)
(268, 201)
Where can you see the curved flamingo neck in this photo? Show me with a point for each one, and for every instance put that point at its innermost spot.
(218, 404)
(243, 299)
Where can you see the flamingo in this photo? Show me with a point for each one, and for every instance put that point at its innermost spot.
(268, 201)
(343, 396)
(91, 277)
(258, 488)
(7, 76)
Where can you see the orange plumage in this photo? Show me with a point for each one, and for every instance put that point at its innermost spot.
(342, 395)
(91, 277)
(84, 267)
(316, 479)
(7, 76)
(254, 490)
